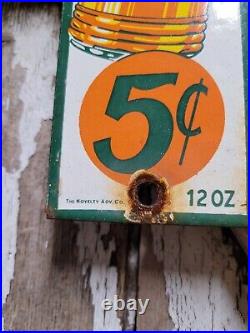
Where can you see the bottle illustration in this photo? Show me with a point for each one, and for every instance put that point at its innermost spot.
(113, 30)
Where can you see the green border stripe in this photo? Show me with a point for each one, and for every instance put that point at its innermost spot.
(56, 139)
(179, 218)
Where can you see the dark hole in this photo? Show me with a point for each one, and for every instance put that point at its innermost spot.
(147, 193)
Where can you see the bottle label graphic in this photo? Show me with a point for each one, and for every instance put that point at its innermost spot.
(147, 125)
(117, 29)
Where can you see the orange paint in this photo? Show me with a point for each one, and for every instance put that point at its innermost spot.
(146, 9)
(129, 135)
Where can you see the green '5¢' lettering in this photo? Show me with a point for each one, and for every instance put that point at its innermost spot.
(159, 119)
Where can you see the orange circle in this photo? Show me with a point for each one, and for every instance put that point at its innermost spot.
(129, 134)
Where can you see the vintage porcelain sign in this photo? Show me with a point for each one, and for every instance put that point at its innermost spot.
(149, 117)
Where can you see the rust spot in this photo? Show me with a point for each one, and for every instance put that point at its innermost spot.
(50, 213)
(148, 199)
